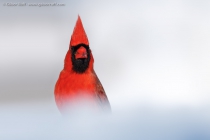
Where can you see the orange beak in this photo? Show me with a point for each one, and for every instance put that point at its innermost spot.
(81, 53)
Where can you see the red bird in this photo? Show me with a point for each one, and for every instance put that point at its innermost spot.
(78, 78)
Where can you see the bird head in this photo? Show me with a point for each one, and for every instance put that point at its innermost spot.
(79, 50)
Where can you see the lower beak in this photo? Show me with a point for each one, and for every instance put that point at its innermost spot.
(80, 55)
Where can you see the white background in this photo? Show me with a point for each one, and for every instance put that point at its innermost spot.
(149, 55)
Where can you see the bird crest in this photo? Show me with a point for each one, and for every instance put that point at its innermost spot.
(79, 36)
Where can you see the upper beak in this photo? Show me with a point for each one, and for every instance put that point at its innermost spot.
(81, 53)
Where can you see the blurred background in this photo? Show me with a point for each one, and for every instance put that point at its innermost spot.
(152, 58)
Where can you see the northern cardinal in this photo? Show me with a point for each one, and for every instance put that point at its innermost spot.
(78, 78)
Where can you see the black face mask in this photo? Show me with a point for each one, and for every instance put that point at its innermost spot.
(80, 65)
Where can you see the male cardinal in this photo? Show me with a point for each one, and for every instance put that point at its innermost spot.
(78, 78)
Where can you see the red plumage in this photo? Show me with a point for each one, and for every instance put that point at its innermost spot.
(73, 84)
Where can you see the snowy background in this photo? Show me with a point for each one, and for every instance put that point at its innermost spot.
(152, 58)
